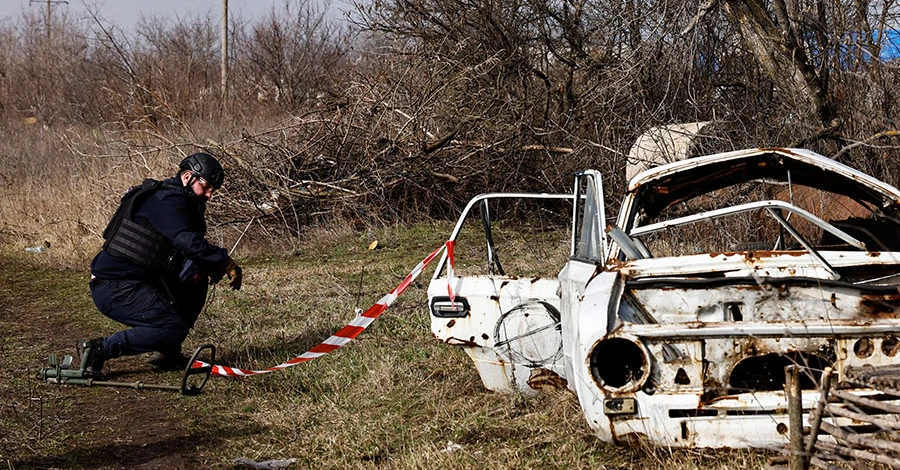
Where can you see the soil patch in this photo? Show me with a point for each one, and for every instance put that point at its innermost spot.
(44, 311)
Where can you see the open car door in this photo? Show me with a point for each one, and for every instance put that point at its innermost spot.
(498, 297)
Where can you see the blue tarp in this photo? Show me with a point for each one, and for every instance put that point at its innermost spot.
(890, 48)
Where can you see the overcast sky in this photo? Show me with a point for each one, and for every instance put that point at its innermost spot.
(125, 13)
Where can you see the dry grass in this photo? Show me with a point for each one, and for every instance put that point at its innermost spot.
(60, 187)
(54, 194)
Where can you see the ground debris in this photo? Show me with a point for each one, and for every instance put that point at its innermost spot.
(266, 464)
(451, 447)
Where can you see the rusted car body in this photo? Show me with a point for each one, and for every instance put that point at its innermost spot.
(674, 324)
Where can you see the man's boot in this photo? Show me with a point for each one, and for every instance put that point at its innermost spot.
(170, 360)
(92, 357)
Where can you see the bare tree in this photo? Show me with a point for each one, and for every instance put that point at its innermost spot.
(289, 57)
(774, 38)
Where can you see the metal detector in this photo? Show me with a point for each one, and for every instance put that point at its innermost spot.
(61, 373)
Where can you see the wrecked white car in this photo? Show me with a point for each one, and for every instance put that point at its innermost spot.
(674, 324)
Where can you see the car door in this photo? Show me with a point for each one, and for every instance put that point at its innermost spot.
(497, 294)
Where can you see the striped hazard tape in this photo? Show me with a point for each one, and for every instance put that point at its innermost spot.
(345, 334)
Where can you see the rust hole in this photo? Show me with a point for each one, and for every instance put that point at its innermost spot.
(863, 348)
(734, 310)
(766, 372)
(617, 363)
(890, 345)
(781, 428)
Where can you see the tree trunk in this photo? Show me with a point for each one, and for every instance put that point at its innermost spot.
(782, 59)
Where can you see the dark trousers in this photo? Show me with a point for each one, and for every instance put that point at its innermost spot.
(158, 322)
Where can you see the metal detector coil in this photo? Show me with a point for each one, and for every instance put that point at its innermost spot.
(204, 370)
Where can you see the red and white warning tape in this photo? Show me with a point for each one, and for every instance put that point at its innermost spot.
(347, 333)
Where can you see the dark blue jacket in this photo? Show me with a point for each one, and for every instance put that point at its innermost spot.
(177, 213)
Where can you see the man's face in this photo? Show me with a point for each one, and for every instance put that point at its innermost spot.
(198, 185)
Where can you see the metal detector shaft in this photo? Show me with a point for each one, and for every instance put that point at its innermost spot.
(106, 383)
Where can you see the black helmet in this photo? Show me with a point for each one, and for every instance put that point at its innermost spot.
(205, 165)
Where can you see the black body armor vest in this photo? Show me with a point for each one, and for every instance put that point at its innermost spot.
(137, 243)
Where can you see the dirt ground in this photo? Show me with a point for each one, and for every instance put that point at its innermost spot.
(53, 426)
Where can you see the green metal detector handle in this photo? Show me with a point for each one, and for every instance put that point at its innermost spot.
(191, 390)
